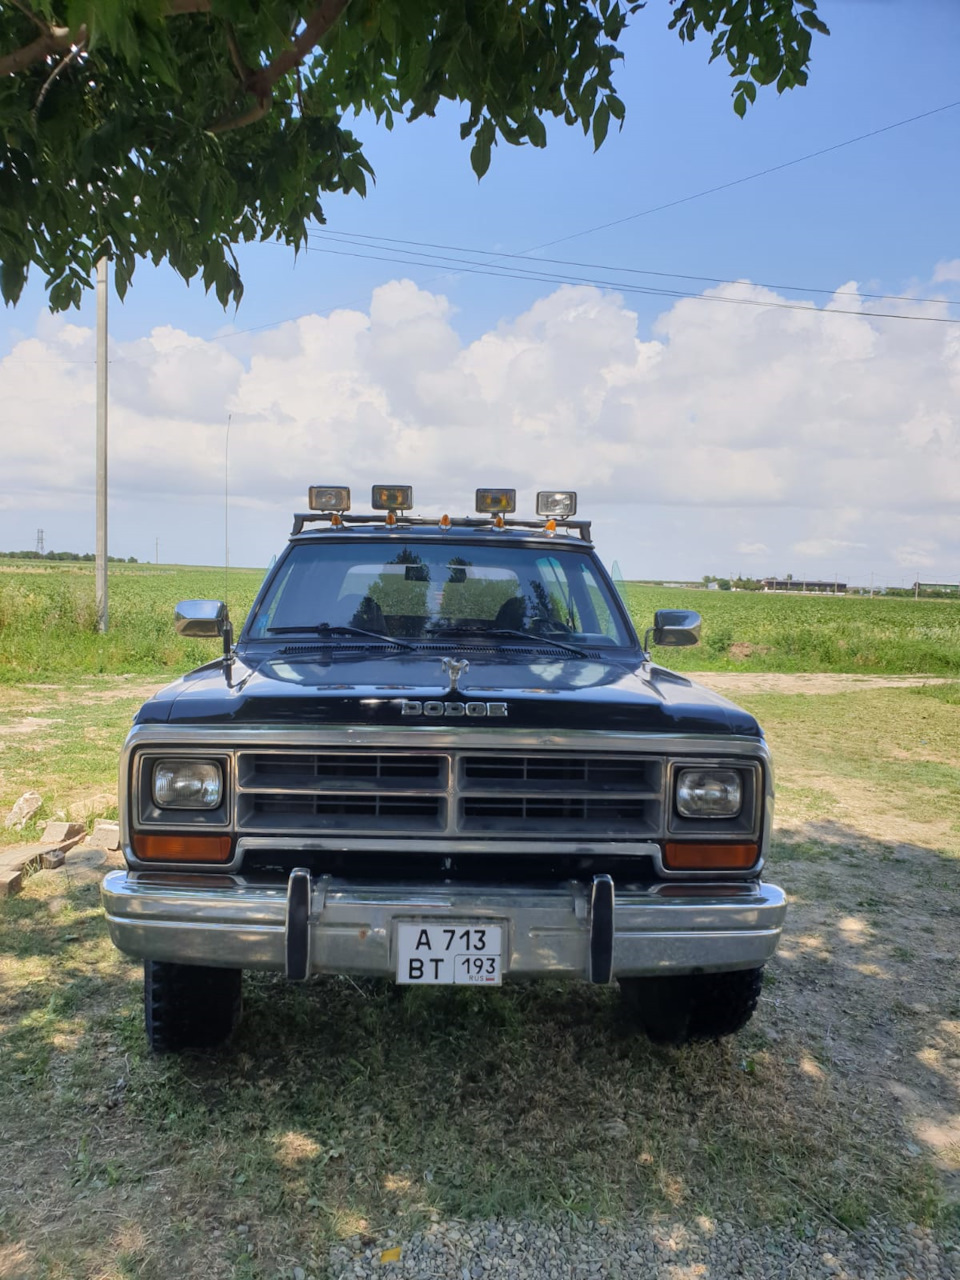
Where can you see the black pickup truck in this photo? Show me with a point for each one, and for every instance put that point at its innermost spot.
(439, 752)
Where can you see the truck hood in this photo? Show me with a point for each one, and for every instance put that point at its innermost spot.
(548, 692)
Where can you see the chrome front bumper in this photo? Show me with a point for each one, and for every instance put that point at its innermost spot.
(328, 925)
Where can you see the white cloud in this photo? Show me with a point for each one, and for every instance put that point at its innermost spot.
(947, 271)
(916, 555)
(771, 433)
(820, 547)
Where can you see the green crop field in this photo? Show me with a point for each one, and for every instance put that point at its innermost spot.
(48, 625)
(754, 631)
(346, 1123)
(48, 618)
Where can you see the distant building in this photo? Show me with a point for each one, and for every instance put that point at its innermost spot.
(803, 584)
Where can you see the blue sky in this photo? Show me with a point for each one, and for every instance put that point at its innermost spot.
(880, 214)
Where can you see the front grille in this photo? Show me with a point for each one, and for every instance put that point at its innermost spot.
(453, 794)
(340, 771)
(604, 773)
(572, 816)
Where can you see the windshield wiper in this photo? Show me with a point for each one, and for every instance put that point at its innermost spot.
(507, 632)
(325, 629)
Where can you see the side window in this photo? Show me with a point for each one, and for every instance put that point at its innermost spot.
(603, 620)
(274, 604)
(555, 602)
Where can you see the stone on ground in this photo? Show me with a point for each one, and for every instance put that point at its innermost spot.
(25, 808)
(62, 833)
(105, 835)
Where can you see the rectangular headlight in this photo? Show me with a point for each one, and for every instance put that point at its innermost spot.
(329, 498)
(187, 784)
(558, 505)
(392, 497)
(496, 501)
(709, 793)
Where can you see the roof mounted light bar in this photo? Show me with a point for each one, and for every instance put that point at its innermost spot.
(302, 518)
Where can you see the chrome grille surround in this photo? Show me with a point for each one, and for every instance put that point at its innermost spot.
(595, 753)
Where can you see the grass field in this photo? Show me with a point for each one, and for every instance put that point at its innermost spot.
(344, 1116)
(343, 1113)
(755, 631)
(48, 616)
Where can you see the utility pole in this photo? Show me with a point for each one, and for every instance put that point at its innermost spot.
(101, 569)
(226, 507)
(157, 551)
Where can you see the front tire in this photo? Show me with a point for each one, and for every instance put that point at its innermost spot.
(188, 1006)
(696, 1006)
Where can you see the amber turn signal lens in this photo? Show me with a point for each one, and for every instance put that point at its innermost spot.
(182, 848)
(709, 857)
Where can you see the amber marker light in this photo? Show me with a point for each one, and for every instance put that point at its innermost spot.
(391, 518)
(444, 522)
(695, 856)
(149, 848)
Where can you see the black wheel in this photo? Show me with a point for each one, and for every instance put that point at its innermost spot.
(696, 1006)
(189, 1006)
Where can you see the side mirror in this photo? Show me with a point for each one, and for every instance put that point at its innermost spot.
(201, 618)
(674, 628)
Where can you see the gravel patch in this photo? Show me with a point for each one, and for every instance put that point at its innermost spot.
(521, 1250)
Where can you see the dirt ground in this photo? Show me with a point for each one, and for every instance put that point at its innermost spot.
(733, 684)
(836, 1111)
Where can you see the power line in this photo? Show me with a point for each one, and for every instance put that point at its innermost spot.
(672, 204)
(697, 195)
(348, 237)
(517, 273)
(750, 177)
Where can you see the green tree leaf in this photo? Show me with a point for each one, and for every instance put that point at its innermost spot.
(480, 152)
(601, 121)
(161, 133)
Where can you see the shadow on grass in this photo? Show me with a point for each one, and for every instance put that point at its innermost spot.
(345, 1108)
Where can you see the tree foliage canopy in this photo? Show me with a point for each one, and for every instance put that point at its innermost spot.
(176, 129)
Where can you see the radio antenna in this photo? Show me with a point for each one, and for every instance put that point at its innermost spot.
(226, 508)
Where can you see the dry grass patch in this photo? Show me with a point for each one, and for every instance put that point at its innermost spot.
(346, 1109)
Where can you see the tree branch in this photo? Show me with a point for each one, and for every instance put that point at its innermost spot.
(75, 51)
(315, 28)
(61, 39)
(229, 123)
(28, 12)
(241, 68)
(57, 40)
(260, 83)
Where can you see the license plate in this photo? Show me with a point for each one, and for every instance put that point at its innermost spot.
(449, 954)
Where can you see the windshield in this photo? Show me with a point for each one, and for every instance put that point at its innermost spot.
(429, 590)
